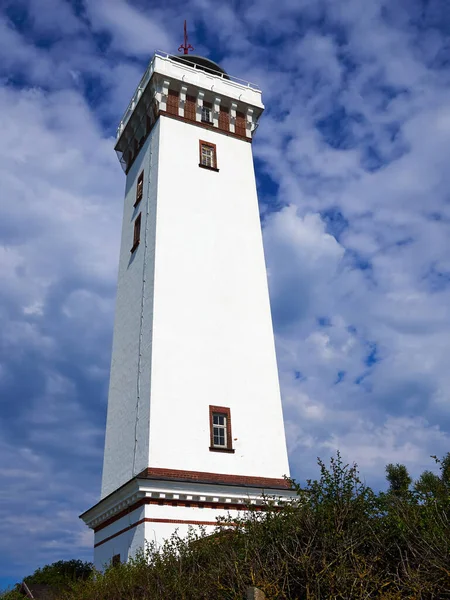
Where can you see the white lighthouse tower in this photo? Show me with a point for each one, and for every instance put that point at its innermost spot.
(195, 426)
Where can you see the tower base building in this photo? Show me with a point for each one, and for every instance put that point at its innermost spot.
(194, 427)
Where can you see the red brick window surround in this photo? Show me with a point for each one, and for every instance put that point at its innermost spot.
(224, 118)
(172, 102)
(208, 156)
(220, 429)
(137, 233)
(240, 124)
(190, 108)
(139, 188)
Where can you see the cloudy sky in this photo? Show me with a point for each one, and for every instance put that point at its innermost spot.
(352, 163)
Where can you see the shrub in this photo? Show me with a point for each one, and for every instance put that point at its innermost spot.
(337, 540)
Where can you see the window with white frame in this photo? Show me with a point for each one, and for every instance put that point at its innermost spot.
(208, 155)
(206, 114)
(219, 430)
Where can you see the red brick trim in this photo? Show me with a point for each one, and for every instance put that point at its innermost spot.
(266, 483)
(225, 411)
(122, 513)
(240, 124)
(224, 118)
(206, 126)
(150, 520)
(211, 127)
(218, 478)
(170, 502)
(173, 100)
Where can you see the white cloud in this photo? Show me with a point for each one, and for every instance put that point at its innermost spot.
(60, 200)
(302, 261)
(53, 16)
(384, 287)
(134, 31)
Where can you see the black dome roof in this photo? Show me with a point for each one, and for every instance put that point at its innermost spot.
(201, 63)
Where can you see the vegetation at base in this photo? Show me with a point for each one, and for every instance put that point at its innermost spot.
(338, 540)
(60, 575)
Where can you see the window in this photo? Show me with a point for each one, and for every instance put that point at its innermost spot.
(137, 233)
(139, 188)
(206, 112)
(208, 156)
(115, 560)
(220, 429)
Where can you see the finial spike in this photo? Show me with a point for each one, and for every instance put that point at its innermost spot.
(186, 46)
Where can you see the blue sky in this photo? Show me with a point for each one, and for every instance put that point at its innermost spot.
(352, 166)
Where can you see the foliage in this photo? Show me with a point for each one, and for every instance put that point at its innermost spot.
(59, 575)
(338, 540)
(398, 478)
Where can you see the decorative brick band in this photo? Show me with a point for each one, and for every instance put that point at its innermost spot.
(211, 127)
(169, 502)
(268, 483)
(150, 520)
(192, 122)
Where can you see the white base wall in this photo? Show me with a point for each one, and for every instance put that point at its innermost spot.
(156, 524)
(149, 510)
(120, 539)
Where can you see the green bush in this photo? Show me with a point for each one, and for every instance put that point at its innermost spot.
(338, 540)
(59, 575)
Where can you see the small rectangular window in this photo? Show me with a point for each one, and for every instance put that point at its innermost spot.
(220, 429)
(208, 156)
(207, 112)
(115, 560)
(139, 188)
(137, 233)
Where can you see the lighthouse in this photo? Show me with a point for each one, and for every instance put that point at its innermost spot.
(194, 422)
